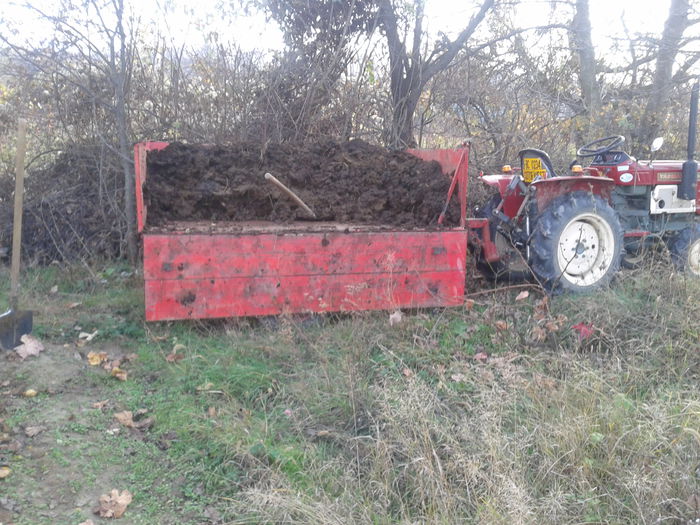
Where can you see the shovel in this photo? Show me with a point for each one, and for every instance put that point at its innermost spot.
(15, 323)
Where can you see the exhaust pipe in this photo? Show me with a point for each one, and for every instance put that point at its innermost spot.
(688, 187)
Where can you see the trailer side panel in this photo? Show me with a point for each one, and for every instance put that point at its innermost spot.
(224, 275)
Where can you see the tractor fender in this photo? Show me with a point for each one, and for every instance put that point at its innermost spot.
(549, 189)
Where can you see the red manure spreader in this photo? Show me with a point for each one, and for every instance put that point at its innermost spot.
(568, 231)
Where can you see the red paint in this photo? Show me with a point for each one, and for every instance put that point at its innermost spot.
(550, 189)
(196, 275)
(637, 233)
(207, 276)
(450, 160)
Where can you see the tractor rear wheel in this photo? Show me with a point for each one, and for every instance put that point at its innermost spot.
(576, 244)
(511, 267)
(685, 250)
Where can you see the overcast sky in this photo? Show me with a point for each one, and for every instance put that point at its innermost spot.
(189, 22)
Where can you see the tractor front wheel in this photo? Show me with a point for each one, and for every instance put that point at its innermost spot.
(576, 244)
(685, 250)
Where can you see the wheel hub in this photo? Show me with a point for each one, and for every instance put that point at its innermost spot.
(585, 249)
(694, 258)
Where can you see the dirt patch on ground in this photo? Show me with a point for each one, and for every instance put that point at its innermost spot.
(57, 444)
(351, 182)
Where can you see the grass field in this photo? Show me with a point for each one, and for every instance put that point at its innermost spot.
(497, 412)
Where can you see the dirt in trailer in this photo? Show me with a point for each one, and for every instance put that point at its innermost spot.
(351, 182)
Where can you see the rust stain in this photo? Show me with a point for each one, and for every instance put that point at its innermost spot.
(187, 298)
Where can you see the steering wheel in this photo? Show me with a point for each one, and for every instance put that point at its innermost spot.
(605, 145)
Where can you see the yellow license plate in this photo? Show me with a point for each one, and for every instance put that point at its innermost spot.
(532, 168)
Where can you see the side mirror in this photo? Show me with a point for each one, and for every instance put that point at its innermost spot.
(656, 144)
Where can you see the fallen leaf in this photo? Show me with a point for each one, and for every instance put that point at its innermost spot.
(211, 412)
(87, 337)
(126, 418)
(70, 306)
(30, 392)
(113, 505)
(119, 373)
(96, 358)
(100, 404)
(522, 295)
(34, 431)
(4, 472)
(469, 304)
(552, 326)
(458, 378)
(204, 386)
(501, 325)
(539, 334)
(109, 365)
(482, 357)
(407, 372)
(54, 289)
(174, 358)
(583, 330)
(30, 346)
(395, 318)
(145, 424)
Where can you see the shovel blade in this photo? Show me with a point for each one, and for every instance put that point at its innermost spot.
(13, 325)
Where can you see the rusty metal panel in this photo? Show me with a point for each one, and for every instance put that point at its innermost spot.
(140, 172)
(217, 256)
(208, 276)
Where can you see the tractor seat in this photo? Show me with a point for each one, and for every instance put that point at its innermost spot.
(535, 164)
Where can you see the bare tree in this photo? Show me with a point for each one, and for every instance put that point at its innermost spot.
(669, 45)
(582, 48)
(91, 43)
(411, 71)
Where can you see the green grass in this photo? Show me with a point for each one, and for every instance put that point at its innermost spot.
(351, 420)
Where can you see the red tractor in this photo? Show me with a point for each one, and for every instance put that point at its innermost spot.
(573, 231)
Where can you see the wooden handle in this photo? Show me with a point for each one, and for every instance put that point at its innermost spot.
(17, 220)
(290, 193)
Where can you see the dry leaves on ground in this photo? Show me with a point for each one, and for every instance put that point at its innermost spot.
(85, 337)
(127, 417)
(522, 295)
(30, 346)
(395, 318)
(34, 430)
(113, 505)
(119, 373)
(96, 358)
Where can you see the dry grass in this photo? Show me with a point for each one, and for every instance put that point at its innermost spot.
(603, 430)
(496, 414)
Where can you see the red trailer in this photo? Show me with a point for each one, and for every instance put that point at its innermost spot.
(195, 270)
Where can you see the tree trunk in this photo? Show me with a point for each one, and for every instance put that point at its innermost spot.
(119, 73)
(655, 110)
(404, 94)
(583, 46)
